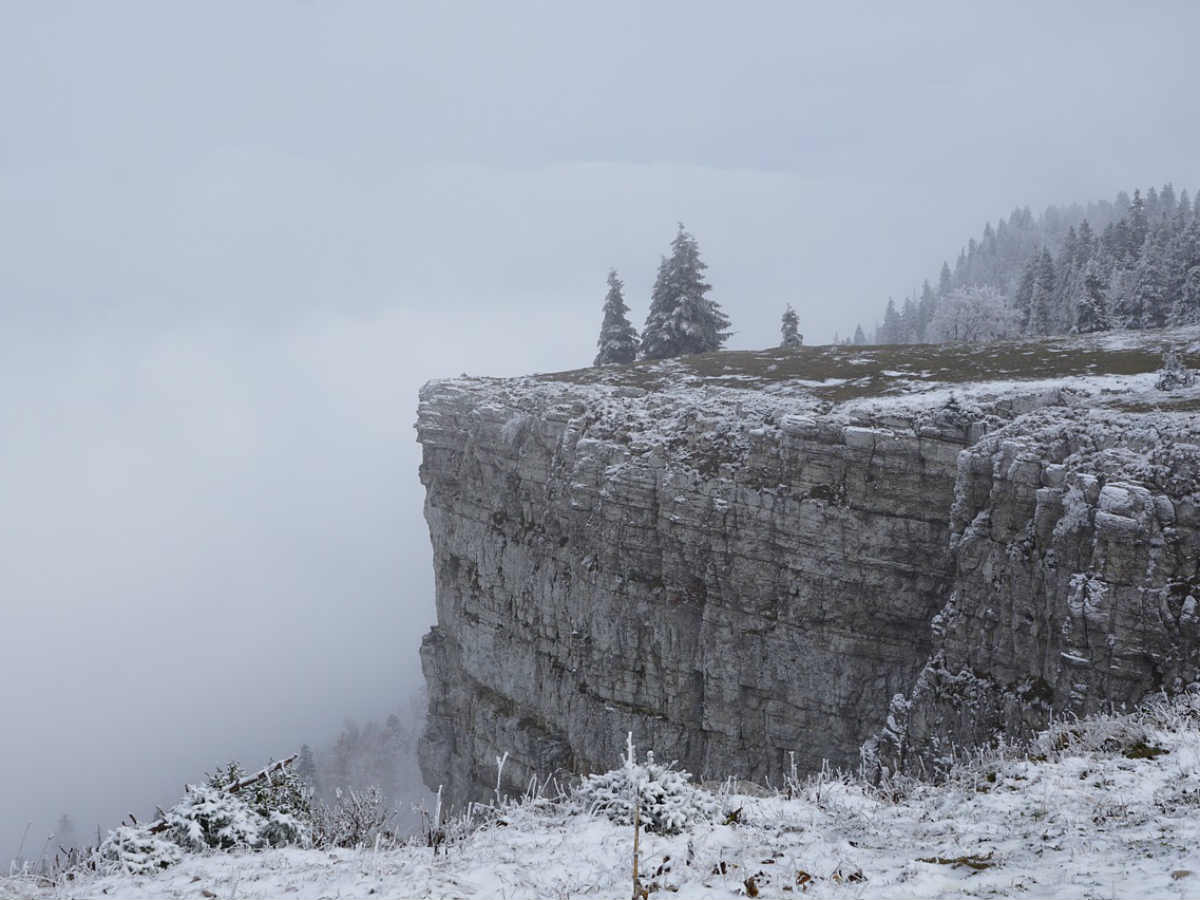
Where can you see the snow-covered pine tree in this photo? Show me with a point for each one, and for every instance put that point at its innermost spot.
(306, 768)
(789, 329)
(1139, 225)
(945, 285)
(1041, 303)
(1152, 282)
(618, 341)
(889, 331)
(682, 320)
(926, 307)
(1091, 305)
(859, 337)
(1187, 264)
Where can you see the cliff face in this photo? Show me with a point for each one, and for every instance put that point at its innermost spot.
(1075, 537)
(745, 558)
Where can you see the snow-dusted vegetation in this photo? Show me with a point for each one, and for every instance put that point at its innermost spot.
(1094, 808)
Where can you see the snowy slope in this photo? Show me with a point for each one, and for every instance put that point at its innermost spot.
(1107, 814)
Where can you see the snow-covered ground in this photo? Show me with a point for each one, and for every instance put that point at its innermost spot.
(1105, 808)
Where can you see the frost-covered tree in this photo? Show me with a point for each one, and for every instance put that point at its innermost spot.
(618, 341)
(890, 330)
(1188, 310)
(926, 307)
(973, 314)
(910, 322)
(1152, 281)
(306, 769)
(789, 329)
(682, 319)
(945, 281)
(1091, 307)
(1041, 301)
(859, 337)
(661, 797)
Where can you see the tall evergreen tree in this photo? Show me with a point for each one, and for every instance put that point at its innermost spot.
(926, 307)
(1091, 308)
(1186, 267)
(909, 322)
(945, 285)
(789, 329)
(682, 319)
(618, 341)
(859, 337)
(1041, 302)
(306, 768)
(1138, 226)
(1023, 298)
(1152, 284)
(889, 331)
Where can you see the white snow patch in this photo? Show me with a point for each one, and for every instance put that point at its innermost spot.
(1076, 822)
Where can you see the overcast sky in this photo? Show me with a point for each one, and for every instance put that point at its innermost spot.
(235, 238)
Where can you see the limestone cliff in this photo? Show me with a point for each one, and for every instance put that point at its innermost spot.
(746, 557)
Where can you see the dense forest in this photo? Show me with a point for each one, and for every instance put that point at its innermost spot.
(1129, 264)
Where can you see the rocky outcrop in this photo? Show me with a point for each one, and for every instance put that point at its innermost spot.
(1076, 536)
(747, 560)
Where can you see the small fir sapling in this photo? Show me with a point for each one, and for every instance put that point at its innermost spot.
(660, 795)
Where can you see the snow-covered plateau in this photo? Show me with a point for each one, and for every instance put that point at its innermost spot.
(1107, 806)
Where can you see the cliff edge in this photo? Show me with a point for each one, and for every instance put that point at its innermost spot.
(750, 558)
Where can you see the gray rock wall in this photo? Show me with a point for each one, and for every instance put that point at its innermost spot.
(1076, 538)
(730, 584)
(738, 576)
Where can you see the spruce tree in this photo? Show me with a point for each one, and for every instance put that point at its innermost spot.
(910, 322)
(1138, 226)
(682, 320)
(944, 283)
(1152, 282)
(1023, 298)
(1041, 303)
(618, 341)
(1187, 269)
(306, 768)
(789, 329)
(889, 332)
(859, 337)
(926, 308)
(1091, 311)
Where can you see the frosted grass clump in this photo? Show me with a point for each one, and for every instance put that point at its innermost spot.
(669, 802)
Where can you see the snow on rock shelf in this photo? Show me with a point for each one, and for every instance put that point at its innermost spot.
(1101, 808)
(746, 556)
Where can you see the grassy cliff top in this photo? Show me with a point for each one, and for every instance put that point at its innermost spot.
(841, 373)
